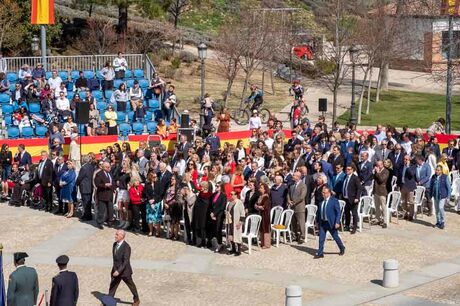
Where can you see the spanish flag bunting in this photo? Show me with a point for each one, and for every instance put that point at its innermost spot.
(42, 12)
(450, 7)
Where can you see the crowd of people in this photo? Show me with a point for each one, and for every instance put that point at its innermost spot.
(208, 186)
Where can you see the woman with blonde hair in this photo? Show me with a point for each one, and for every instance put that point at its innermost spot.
(234, 219)
(443, 164)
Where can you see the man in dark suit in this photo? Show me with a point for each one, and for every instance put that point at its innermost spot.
(397, 159)
(164, 177)
(104, 195)
(337, 181)
(278, 192)
(296, 201)
(307, 179)
(22, 284)
(451, 153)
(407, 183)
(45, 176)
(292, 142)
(85, 183)
(22, 157)
(254, 173)
(121, 270)
(365, 172)
(336, 158)
(351, 193)
(60, 167)
(328, 217)
(298, 161)
(64, 290)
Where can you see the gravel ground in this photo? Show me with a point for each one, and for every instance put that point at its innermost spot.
(442, 291)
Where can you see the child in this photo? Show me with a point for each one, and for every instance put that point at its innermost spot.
(140, 112)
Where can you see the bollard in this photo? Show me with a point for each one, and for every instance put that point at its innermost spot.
(390, 273)
(293, 296)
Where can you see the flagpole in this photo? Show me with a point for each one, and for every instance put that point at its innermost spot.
(43, 46)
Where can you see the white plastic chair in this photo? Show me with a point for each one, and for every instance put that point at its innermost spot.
(419, 196)
(364, 210)
(310, 220)
(342, 210)
(394, 181)
(275, 215)
(392, 206)
(286, 218)
(251, 230)
(453, 175)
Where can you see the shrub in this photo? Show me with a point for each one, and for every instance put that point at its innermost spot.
(175, 63)
(187, 57)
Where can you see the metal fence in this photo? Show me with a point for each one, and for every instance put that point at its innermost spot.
(79, 62)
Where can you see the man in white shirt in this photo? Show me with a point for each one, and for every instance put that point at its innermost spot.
(120, 65)
(63, 105)
(406, 144)
(268, 141)
(54, 81)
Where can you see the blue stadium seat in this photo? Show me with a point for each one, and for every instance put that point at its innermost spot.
(69, 86)
(27, 132)
(131, 116)
(157, 114)
(4, 98)
(7, 109)
(128, 106)
(41, 131)
(97, 94)
(34, 107)
(88, 74)
(108, 94)
(117, 83)
(130, 83)
(75, 74)
(128, 74)
(99, 76)
(138, 128)
(101, 106)
(8, 120)
(151, 127)
(64, 75)
(148, 115)
(82, 95)
(13, 132)
(154, 104)
(121, 117)
(48, 75)
(138, 73)
(102, 115)
(12, 76)
(82, 130)
(124, 129)
(70, 95)
(12, 86)
(143, 83)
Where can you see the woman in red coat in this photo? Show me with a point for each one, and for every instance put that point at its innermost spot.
(135, 195)
(263, 206)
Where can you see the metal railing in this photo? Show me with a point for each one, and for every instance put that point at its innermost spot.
(79, 62)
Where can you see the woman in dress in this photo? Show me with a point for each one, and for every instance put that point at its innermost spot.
(67, 184)
(263, 206)
(154, 204)
(6, 158)
(93, 120)
(234, 218)
(111, 118)
(192, 170)
(237, 181)
(224, 121)
(200, 211)
(215, 218)
(173, 208)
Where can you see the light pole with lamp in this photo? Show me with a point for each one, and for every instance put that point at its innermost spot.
(353, 53)
(202, 53)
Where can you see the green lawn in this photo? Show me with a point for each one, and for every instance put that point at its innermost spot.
(399, 108)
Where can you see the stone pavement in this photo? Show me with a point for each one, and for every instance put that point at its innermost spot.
(168, 272)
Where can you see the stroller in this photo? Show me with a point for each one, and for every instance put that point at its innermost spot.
(32, 192)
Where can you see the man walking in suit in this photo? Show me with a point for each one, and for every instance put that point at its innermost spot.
(381, 176)
(58, 170)
(296, 202)
(407, 185)
(451, 153)
(23, 283)
(351, 193)
(64, 290)
(104, 195)
(45, 176)
(85, 183)
(328, 217)
(122, 270)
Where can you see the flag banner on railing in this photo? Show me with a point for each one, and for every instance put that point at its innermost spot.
(450, 7)
(42, 12)
(2, 282)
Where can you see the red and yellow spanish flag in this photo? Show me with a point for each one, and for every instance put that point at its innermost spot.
(450, 7)
(42, 12)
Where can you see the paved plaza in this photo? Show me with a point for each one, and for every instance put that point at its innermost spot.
(168, 272)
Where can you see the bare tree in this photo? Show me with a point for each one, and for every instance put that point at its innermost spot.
(177, 9)
(100, 36)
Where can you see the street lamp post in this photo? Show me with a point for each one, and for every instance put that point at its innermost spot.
(202, 53)
(35, 44)
(353, 52)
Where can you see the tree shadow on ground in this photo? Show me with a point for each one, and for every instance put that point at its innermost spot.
(108, 300)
